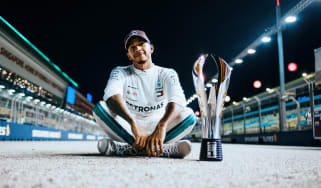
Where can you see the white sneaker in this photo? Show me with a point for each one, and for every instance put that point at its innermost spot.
(113, 148)
(178, 149)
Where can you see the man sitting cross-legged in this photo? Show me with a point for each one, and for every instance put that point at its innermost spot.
(144, 109)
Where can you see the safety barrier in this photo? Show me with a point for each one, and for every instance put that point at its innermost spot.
(15, 131)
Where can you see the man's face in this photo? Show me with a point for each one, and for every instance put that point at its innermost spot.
(139, 51)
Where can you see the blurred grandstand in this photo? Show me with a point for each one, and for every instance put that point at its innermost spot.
(34, 92)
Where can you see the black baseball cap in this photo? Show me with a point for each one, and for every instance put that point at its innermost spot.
(135, 33)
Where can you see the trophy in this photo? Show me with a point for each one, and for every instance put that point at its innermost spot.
(211, 108)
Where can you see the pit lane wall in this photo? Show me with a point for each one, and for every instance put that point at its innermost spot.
(14, 131)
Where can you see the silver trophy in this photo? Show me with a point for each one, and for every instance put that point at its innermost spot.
(211, 107)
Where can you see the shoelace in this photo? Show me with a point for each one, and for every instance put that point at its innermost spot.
(123, 149)
(126, 149)
(171, 150)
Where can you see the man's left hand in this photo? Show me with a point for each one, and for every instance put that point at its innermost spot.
(154, 144)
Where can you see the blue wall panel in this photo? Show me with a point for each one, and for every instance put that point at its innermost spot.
(14, 131)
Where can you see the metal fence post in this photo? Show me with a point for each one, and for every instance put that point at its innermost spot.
(244, 131)
(259, 109)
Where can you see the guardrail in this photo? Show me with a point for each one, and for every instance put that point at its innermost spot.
(14, 131)
(20, 109)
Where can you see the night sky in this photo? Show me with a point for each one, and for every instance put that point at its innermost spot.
(86, 39)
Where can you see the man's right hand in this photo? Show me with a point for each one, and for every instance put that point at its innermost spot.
(115, 103)
(140, 135)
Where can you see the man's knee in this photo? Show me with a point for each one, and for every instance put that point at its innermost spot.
(185, 114)
(181, 126)
(188, 118)
(115, 127)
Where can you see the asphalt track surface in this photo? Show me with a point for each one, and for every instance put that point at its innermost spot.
(78, 164)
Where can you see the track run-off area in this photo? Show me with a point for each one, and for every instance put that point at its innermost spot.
(78, 164)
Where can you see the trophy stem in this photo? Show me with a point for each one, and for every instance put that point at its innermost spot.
(211, 150)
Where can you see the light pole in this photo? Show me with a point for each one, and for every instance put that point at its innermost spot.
(281, 67)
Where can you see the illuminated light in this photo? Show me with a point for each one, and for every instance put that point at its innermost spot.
(29, 98)
(238, 61)
(266, 39)
(269, 90)
(11, 90)
(235, 103)
(257, 84)
(245, 99)
(48, 105)
(73, 82)
(208, 85)
(304, 74)
(197, 113)
(2, 86)
(71, 95)
(21, 94)
(292, 67)
(89, 97)
(214, 80)
(36, 101)
(290, 19)
(227, 99)
(56, 67)
(251, 51)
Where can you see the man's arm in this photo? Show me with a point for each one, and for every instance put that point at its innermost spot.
(155, 141)
(172, 110)
(116, 105)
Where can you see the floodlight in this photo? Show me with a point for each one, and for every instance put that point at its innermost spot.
(238, 61)
(251, 51)
(290, 19)
(266, 39)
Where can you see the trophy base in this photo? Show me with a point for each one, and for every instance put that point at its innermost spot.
(211, 150)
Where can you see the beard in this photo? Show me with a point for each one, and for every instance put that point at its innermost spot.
(141, 62)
